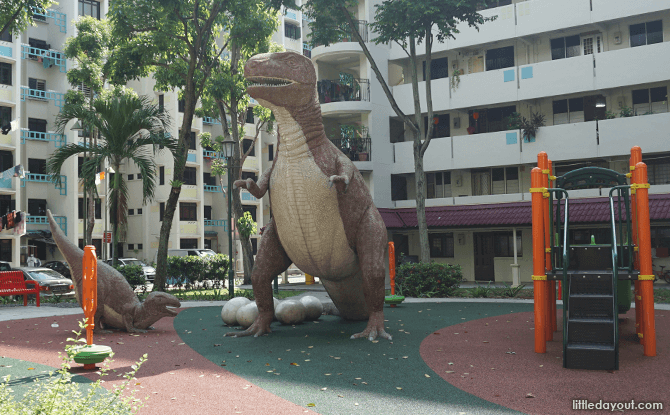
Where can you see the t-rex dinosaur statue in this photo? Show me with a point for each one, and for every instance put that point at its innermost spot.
(335, 233)
(118, 305)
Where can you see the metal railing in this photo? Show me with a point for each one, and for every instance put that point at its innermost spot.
(48, 57)
(60, 19)
(210, 188)
(217, 222)
(46, 178)
(357, 148)
(59, 139)
(338, 90)
(57, 97)
(42, 220)
(210, 121)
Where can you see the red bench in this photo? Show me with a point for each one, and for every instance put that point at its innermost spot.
(13, 283)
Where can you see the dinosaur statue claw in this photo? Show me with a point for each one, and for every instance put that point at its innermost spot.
(374, 329)
(259, 327)
(339, 181)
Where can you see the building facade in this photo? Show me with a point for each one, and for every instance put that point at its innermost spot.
(596, 71)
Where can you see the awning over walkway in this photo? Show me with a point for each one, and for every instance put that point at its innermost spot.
(595, 210)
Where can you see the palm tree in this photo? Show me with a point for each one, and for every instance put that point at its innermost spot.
(127, 123)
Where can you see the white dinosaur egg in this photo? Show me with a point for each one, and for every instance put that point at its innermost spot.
(313, 307)
(290, 312)
(247, 314)
(229, 311)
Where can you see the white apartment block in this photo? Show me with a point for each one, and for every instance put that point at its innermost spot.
(571, 60)
(32, 87)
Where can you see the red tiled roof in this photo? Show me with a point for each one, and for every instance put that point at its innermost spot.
(517, 213)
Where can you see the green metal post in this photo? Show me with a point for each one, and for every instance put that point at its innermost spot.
(276, 284)
(231, 260)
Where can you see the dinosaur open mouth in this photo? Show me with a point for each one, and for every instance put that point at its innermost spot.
(271, 82)
(171, 311)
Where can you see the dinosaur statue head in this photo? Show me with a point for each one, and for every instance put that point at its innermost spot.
(156, 306)
(282, 79)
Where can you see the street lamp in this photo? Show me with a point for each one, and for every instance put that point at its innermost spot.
(228, 147)
(79, 127)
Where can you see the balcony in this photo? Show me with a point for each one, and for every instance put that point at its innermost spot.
(45, 178)
(6, 50)
(292, 14)
(60, 19)
(350, 90)
(47, 57)
(649, 132)
(556, 77)
(6, 184)
(189, 191)
(484, 150)
(210, 121)
(538, 16)
(58, 139)
(190, 228)
(208, 154)
(42, 220)
(247, 197)
(191, 157)
(218, 223)
(211, 188)
(564, 142)
(353, 141)
(40, 95)
(642, 65)
(604, 10)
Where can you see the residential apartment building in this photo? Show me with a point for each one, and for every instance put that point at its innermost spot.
(577, 62)
(32, 87)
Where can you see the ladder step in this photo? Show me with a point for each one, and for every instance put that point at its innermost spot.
(589, 330)
(600, 283)
(590, 356)
(590, 306)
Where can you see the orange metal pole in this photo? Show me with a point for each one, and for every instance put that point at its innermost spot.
(646, 275)
(543, 164)
(90, 294)
(539, 276)
(392, 266)
(636, 157)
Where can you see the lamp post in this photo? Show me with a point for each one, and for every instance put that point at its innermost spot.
(79, 127)
(228, 146)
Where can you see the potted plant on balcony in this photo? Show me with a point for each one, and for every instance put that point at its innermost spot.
(531, 126)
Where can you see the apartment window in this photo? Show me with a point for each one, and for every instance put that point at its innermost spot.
(37, 166)
(568, 111)
(565, 47)
(190, 174)
(291, 31)
(208, 212)
(188, 212)
(660, 237)
(398, 187)
(6, 250)
(5, 73)
(5, 36)
(38, 84)
(658, 171)
(249, 144)
(500, 58)
(131, 247)
(646, 33)
(139, 211)
(131, 212)
(7, 204)
(139, 176)
(441, 245)
(5, 116)
(650, 101)
(496, 181)
(438, 184)
(271, 152)
(89, 8)
(140, 247)
(440, 125)
(42, 14)
(161, 211)
(131, 177)
(250, 116)
(250, 209)
(191, 140)
(439, 68)
(188, 244)
(249, 175)
(208, 179)
(490, 120)
(503, 244)
(98, 208)
(161, 175)
(6, 160)
(181, 105)
(37, 124)
(37, 207)
(161, 102)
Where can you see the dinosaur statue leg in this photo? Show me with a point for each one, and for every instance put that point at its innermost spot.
(370, 247)
(99, 320)
(270, 262)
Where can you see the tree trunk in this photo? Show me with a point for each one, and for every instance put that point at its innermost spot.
(420, 180)
(247, 248)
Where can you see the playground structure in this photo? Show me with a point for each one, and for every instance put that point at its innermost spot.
(393, 299)
(595, 279)
(90, 354)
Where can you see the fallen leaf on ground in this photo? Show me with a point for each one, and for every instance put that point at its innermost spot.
(530, 395)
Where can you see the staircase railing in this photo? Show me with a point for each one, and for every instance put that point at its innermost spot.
(615, 254)
(565, 258)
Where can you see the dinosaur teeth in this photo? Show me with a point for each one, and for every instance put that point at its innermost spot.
(269, 82)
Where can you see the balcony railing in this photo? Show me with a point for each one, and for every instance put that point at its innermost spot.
(211, 188)
(42, 220)
(57, 97)
(212, 154)
(352, 89)
(307, 49)
(217, 222)
(60, 19)
(48, 57)
(45, 178)
(358, 146)
(59, 139)
(6, 51)
(210, 121)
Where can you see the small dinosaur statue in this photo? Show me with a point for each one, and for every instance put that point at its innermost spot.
(335, 233)
(118, 306)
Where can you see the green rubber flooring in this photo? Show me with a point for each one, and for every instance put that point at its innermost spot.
(316, 365)
(22, 375)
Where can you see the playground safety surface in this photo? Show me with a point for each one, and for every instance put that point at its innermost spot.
(445, 358)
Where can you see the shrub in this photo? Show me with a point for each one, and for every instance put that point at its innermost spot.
(59, 395)
(483, 291)
(187, 270)
(428, 280)
(134, 274)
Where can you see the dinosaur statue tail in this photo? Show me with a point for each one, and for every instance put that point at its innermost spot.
(73, 255)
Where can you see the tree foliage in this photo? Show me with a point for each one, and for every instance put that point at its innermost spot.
(407, 23)
(17, 15)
